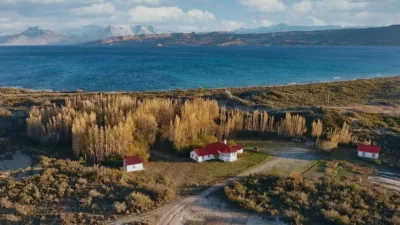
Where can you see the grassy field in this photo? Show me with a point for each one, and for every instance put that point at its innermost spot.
(192, 173)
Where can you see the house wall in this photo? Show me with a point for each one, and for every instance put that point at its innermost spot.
(228, 157)
(368, 155)
(136, 167)
(240, 151)
(194, 156)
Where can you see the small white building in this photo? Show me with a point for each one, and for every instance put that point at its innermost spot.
(368, 151)
(217, 150)
(133, 163)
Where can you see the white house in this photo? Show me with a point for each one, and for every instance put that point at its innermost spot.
(217, 150)
(133, 163)
(368, 151)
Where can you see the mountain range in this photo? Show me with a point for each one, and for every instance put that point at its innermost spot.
(355, 36)
(281, 34)
(283, 28)
(39, 36)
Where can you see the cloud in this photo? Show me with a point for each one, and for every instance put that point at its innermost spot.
(266, 23)
(143, 14)
(303, 7)
(328, 5)
(101, 8)
(141, 2)
(11, 22)
(317, 22)
(341, 5)
(230, 25)
(49, 2)
(265, 6)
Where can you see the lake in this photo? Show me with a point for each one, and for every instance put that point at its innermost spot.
(113, 68)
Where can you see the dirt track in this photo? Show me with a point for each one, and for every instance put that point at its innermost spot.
(203, 207)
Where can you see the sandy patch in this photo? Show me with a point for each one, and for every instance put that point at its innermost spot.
(391, 183)
(395, 110)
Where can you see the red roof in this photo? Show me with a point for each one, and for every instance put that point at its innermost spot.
(132, 160)
(215, 148)
(369, 148)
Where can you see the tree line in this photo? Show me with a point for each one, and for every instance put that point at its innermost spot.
(104, 127)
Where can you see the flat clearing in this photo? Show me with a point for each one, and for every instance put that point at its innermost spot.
(374, 109)
(289, 157)
(194, 174)
(18, 160)
(207, 208)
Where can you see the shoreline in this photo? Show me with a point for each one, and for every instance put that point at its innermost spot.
(199, 89)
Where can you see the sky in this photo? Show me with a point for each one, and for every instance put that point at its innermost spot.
(194, 15)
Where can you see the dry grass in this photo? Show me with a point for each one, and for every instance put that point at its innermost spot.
(199, 174)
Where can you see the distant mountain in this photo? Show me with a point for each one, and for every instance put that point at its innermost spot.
(283, 28)
(360, 36)
(39, 36)
(94, 32)
(34, 36)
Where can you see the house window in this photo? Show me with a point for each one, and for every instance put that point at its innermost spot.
(363, 154)
(373, 155)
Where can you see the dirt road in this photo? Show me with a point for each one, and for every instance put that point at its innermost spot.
(203, 207)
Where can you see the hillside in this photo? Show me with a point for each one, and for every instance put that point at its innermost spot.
(39, 36)
(34, 36)
(365, 36)
(283, 28)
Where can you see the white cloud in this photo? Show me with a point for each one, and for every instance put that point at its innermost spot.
(48, 2)
(140, 2)
(265, 6)
(317, 22)
(11, 22)
(230, 25)
(303, 7)
(101, 8)
(143, 14)
(266, 23)
(328, 5)
(341, 5)
(199, 15)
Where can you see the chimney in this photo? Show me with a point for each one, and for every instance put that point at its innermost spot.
(225, 141)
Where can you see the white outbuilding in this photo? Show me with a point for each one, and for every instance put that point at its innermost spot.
(369, 151)
(133, 163)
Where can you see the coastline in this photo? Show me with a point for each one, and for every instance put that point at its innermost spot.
(46, 91)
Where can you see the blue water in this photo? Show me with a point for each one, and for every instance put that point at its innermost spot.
(110, 68)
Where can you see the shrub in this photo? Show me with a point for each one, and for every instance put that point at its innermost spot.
(94, 193)
(11, 218)
(139, 202)
(119, 207)
(327, 201)
(6, 203)
(327, 145)
(23, 210)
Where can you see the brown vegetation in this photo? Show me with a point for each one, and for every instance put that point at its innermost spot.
(69, 191)
(301, 201)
